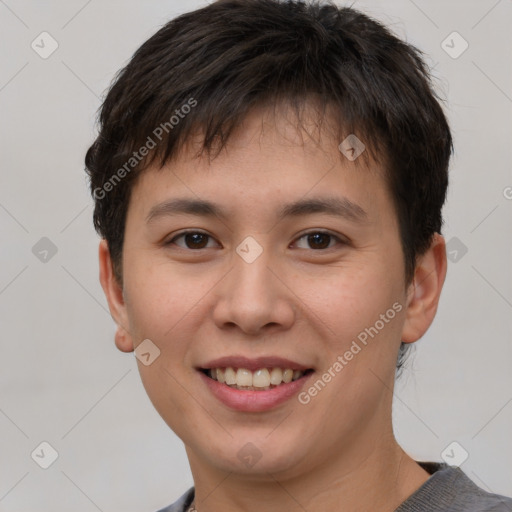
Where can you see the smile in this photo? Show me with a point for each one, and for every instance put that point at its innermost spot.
(259, 380)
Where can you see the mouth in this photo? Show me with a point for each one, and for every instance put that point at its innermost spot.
(261, 379)
(254, 384)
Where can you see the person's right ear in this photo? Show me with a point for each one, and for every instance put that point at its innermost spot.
(114, 294)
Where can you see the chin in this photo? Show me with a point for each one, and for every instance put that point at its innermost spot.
(257, 457)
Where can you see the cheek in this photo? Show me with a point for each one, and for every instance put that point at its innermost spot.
(157, 296)
(349, 300)
(167, 306)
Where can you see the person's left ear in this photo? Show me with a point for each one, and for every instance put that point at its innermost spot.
(425, 290)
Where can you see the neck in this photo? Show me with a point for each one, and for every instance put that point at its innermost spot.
(381, 479)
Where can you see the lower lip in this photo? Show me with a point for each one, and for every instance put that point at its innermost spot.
(254, 401)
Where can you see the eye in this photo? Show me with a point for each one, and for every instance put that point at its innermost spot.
(319, 240)
(192, 239)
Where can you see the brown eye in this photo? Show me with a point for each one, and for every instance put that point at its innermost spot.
(318, 240)
(192, 239)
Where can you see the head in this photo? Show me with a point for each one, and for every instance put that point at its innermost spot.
(254, 105)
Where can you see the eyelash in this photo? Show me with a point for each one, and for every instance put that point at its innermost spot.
(314, 232)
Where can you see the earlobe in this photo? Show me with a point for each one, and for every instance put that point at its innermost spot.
(123, 340)
(114, 295)
(424, 292)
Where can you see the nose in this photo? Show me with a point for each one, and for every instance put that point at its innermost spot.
(255, 297)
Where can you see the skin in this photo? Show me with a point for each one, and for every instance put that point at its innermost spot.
(295, 300)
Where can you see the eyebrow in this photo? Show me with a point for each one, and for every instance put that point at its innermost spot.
(335, 206)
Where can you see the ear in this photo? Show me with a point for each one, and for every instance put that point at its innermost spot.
(425, 290)
(114, 294)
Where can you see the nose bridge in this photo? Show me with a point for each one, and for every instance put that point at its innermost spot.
(252, 296)
(252, 279)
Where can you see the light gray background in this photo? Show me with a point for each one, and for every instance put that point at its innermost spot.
(61, 378)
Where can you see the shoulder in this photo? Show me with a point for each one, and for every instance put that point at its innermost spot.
(450, 489)
(182, 504)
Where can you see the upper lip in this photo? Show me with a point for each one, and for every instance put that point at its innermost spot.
(254, 363)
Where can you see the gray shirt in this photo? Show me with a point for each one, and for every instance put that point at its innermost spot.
(447, 490)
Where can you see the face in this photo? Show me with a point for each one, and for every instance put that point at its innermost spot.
(299, 268)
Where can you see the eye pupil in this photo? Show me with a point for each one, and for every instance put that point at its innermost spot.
(196, 239)
(315, 239)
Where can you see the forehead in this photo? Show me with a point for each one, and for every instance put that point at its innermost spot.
(271, 159)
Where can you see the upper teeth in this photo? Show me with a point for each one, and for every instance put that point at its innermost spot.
(261, 378)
